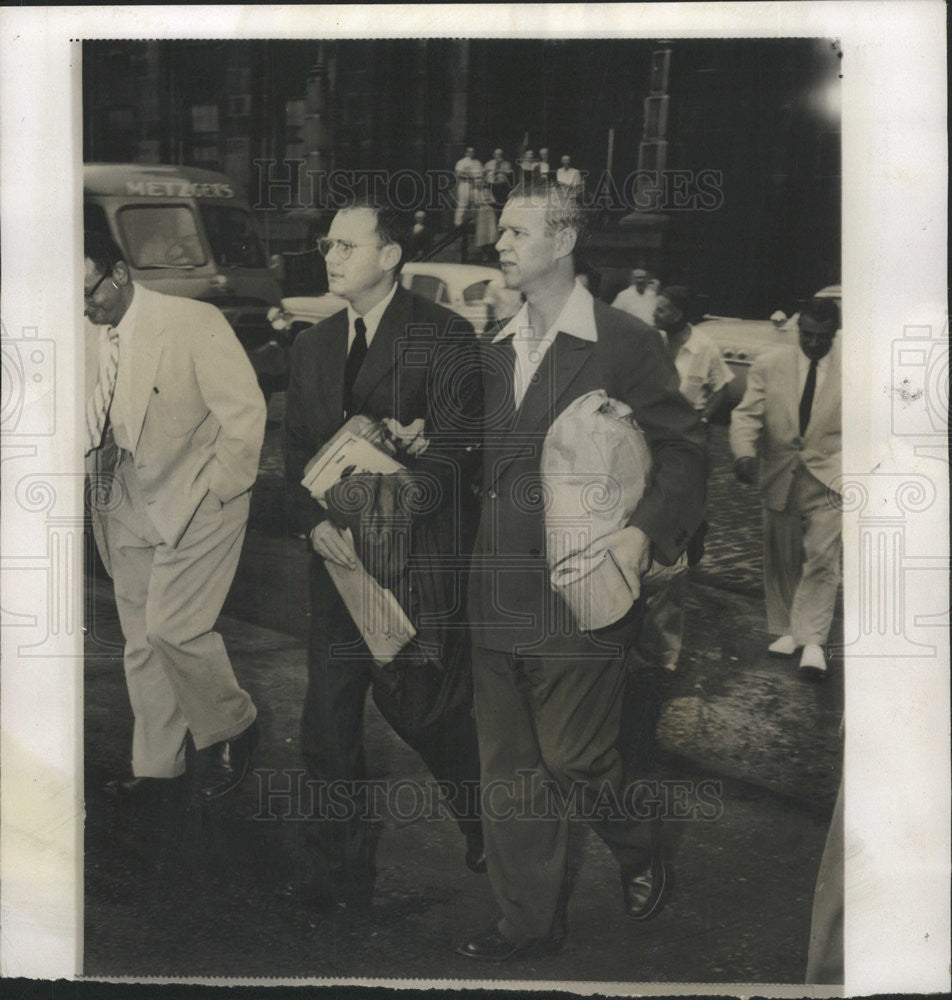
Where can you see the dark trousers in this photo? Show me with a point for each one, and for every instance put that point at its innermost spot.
(429, 705)
(548, 744)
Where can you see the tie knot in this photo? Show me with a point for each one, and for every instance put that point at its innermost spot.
(360, 326)
(112, 333)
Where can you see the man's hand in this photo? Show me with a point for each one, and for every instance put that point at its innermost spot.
(745, 469)
(331, 543)
(631, 548)
(408, 439)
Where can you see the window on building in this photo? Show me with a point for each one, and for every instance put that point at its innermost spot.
(238, 106)
(204, 118)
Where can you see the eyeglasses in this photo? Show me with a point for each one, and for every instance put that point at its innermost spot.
(343, 247)
(92, 291)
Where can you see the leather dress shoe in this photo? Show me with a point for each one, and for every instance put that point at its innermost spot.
(643, 888)
(138, 789)
(476, 854)
(228, 761)
(491, 946)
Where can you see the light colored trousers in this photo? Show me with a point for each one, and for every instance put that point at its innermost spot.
(802, 551)
(178, 673)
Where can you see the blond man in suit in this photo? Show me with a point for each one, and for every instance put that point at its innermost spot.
(175, 423)
(548, 693)
(790, 418)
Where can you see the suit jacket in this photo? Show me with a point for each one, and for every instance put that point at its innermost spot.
(198, 416)
(767, 421)
(423, 361)
(511, 603)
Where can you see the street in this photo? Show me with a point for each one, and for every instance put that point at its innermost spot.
(748, 766)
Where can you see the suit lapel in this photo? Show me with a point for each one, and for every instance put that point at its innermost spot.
(498, 361)
(148, 342)
(561, 363)
(790, 376)
(330, 368)
(542, 401)
(381, 358)
(826, 398)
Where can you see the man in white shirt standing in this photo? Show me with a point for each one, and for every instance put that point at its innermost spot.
(790, 417)
(469, 175)
(639, 298)
(702, 371)
(568, 175)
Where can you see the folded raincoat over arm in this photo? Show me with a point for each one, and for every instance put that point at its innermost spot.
(595, 465)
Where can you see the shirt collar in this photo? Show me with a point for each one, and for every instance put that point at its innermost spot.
(127, 324)
(576, 318)
(372, 317)
(824, 362)
(690, 345)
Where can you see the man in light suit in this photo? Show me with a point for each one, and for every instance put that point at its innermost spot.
(790, 417)
(548, 694)
(398, 358)
(175, 422)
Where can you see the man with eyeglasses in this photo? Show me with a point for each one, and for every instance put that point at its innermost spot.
(412, 365)
(174, 423)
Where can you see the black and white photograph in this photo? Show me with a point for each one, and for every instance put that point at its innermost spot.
(475, 535)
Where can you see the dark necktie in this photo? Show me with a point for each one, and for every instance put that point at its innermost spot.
(355, 358)
(806, 400)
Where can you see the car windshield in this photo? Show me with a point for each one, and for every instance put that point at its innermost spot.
(161, 236)
(232, 236)
(476, 292)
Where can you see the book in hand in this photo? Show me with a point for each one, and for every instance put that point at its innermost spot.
(357, 447)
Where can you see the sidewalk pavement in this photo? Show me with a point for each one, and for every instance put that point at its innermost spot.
(177, 890)
(174, 889)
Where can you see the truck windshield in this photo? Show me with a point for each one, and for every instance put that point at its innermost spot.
(161, 236)
(232, 236)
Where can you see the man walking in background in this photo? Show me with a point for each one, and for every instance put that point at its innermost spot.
(175, 422)
(790, 419)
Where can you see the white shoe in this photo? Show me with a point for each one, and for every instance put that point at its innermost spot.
(784, 646)
(813, 662)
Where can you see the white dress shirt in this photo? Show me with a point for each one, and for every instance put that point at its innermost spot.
(639, 304)
(120, 411)
(701, 369)
(822, 367)
(371, 319)
(576, 318)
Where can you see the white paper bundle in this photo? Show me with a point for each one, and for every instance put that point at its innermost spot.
(357, 447)
(376, 612)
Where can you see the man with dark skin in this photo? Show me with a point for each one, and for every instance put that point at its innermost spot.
(790, 419)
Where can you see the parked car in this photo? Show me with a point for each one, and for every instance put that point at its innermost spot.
(742, 341)
(459, 287)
